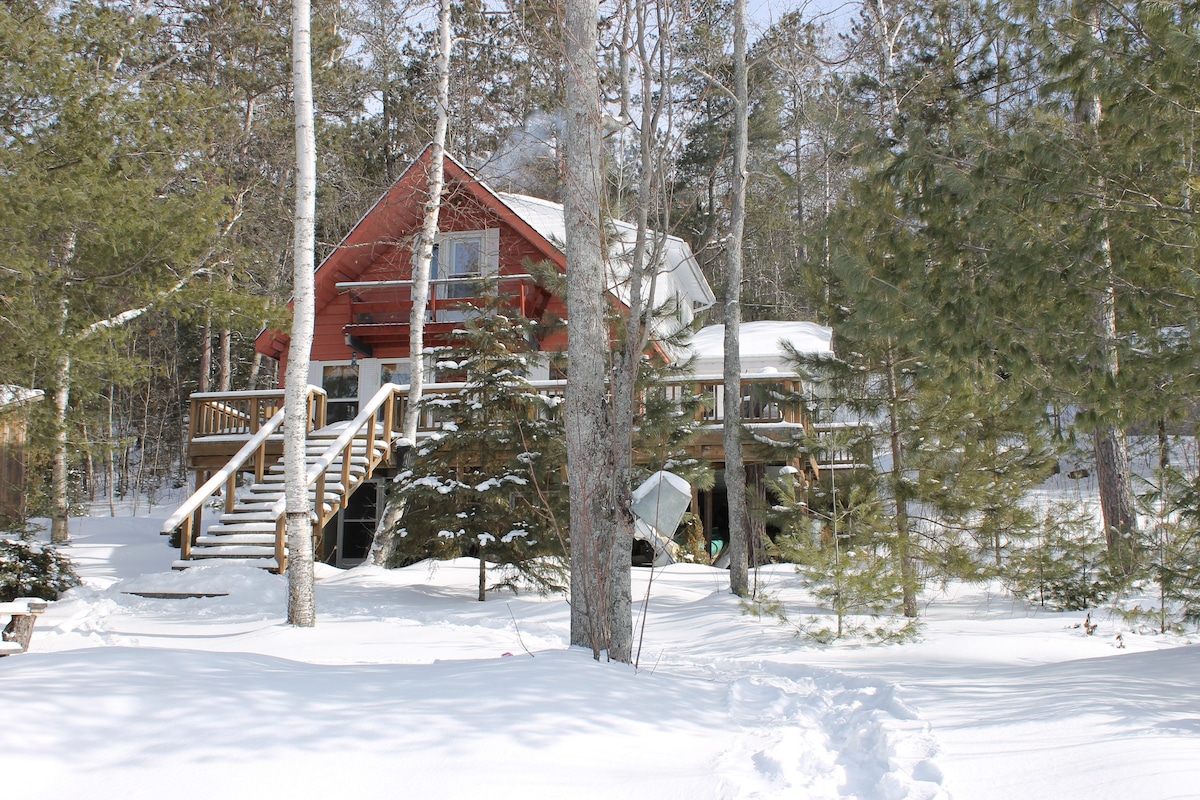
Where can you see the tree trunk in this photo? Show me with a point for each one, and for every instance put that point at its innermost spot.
(482, 576)
(60, 525)
(206, 354)
(383, 543)
(255, 367)
(589, 456)
(1114, 475)
(302, 609)
(908, 574)
(224, 357)
(423, 252)
(735, 472)
(1116, 495)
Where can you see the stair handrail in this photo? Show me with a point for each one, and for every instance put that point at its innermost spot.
(226, 476)
(345, 439)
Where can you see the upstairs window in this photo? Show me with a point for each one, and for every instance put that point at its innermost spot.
(461, 260)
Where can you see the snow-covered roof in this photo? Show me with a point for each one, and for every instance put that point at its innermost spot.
(761, 344)
(11, 395)
(680, 275)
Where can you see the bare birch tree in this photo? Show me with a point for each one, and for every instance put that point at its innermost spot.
(302, 609)
(423, 251)
(63, 378)
(383, 545)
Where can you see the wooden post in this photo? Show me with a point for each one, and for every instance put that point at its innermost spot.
(185, 539)
(318, 536)
(193, 417)
(260, 461)
(347, 453)
(280, 539)
(389, 420)
(193, 525)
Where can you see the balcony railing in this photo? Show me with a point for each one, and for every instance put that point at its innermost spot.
(381, 305)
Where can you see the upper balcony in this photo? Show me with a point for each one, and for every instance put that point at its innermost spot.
(379, 311)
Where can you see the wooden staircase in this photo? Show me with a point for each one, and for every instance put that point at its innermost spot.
(251, 529)
(247, 533)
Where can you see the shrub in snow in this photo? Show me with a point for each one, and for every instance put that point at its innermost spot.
(29, 568)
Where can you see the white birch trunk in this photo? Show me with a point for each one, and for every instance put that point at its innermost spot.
(206, 351)
(383, 543)
(301, 600)
(60, 524)
(735, 471)
(225, 346)
(423, 252)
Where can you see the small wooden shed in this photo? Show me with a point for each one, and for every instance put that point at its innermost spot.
(14, 417)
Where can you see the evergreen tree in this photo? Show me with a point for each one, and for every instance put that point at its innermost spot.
(1062, 565)
(842, 548)
(489, 483)
(960, 440)
(101, 220)
(1170, 546)
(29, 568)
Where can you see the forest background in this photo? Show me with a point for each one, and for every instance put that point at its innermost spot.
(991, 203)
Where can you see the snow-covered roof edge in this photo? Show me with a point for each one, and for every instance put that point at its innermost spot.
(12, 395)
(763, 339)
(546, 217)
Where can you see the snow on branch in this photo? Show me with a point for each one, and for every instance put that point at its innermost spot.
(133, 313)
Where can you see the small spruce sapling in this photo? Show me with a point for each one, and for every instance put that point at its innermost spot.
(1062, 565)
(842, 551)
(1169, 546)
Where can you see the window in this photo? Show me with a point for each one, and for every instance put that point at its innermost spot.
(393, 373)
(340, 382)
(464, 256)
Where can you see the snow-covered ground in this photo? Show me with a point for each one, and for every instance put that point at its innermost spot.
(408, 687)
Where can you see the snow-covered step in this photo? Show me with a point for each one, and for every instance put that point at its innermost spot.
(241, 527)
(260, 563)
(226, 539)
(235, 551)
(277, 481)
(277, 489)
(246, 515)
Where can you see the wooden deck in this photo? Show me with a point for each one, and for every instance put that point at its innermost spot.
(773, 413)
(236, 434)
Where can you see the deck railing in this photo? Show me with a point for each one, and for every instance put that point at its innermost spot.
(234, 414)
(375, 422)
(244, 413)
(767, 399)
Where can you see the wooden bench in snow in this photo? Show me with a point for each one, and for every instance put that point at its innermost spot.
(18, 630)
